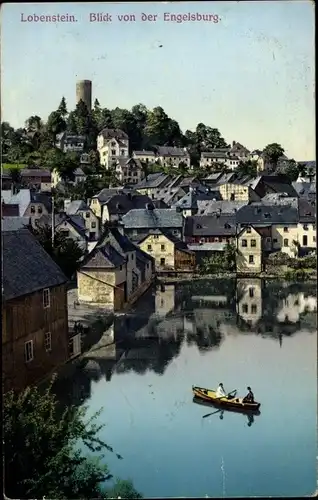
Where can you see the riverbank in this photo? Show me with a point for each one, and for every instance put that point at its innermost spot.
(272, 276)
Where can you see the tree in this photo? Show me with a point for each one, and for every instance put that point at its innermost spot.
(33, 124)
(290, 169)
(62, 109)
(55, 124)
(64, 251)
(15, 176)
(229, 256)
(64, 163)
(248, 167)
(42, 442)
(272, 153)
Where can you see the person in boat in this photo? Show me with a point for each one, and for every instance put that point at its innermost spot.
(249, 398)
(220, 392)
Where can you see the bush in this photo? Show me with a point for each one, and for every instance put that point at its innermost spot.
(279, 259)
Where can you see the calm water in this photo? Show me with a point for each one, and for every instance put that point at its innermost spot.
(203, 333)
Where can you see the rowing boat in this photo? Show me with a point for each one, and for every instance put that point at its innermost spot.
(231, 403)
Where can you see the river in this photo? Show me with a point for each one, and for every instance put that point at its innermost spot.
(243, 332)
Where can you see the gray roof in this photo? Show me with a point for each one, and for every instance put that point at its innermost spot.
(114, 235)
(153, 180)
(27, 268)
(226, 178)
(76, 221)
(210, 225)
(143, 153)
(106, 193)
(172, 151)
(224, 207)
(259, 213)
(104, 257)
(14, 223)
(305, 189)
(216, 154)
(306, 211)
(77, 205)
(157, 218)
(21, 198)
(35, 172)
(44, 198)
(207, 247)
(167, 195)
(113, 133)
(192, 198)
(280, 199)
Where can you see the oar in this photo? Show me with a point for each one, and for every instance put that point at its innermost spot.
(209, 414)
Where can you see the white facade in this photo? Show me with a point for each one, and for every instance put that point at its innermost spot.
(111, 149)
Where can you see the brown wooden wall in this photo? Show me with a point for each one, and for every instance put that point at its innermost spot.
(26, 319)
(183, 260)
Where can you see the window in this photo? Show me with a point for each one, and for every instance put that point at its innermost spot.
(285, 229)
(163, 247)
(244, 243)
(113, 143)
(113, 152)
(93, 225)
(66, 233)
(251, 259)
(120, 268)
(314, 227)
(149, 247)
(253, 243)
(285, 242)
(48, 341)
(232, 196)
(275, 240)
(248, 230)
(32, 209)
(305, 240)
(40, 210)
(314, 239)
(88, 215)
(162, 261)
(122, 152)
(46, 298)
(245, 308)
(251, 292)
(268, 240)
(254, 309)
(305, 226)
(28, 351)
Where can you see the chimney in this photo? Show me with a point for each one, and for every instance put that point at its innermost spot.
(233, 144)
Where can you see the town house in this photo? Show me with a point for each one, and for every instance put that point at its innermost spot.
(129, 171)
(283, 220)
(152, 183)
(190, 202)
(34, 312)
(235, 191)
(201, 229)
(111, 145)
(92, 222)
(79, 176)
(252, 242)
(144, 156)
(70, 142)
(115, 273)
(173, 157)
(219, 158)
(169, 252)
(72, 227)
(138, 223)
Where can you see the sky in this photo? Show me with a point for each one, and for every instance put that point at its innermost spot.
(251, 75)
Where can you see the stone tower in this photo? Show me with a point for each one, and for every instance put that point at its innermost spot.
(84, 92)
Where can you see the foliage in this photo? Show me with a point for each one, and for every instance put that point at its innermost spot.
(297, 274)
(272, 152)
(309, 262)
(279, 259)
(64, 163)
(146, 130)
(65, 251)
(42, 444)
(290, 169)
(220, 262)
(248, 167)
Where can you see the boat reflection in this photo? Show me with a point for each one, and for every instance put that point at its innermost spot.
(249, 413)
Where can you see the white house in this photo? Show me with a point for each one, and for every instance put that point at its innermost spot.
(79, 176)
(70, 142)
(111, 145)
(129, 171)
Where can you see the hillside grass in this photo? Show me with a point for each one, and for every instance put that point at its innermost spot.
(9, 166)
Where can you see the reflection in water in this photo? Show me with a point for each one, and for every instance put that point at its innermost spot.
(200, 313)
(202, 332)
